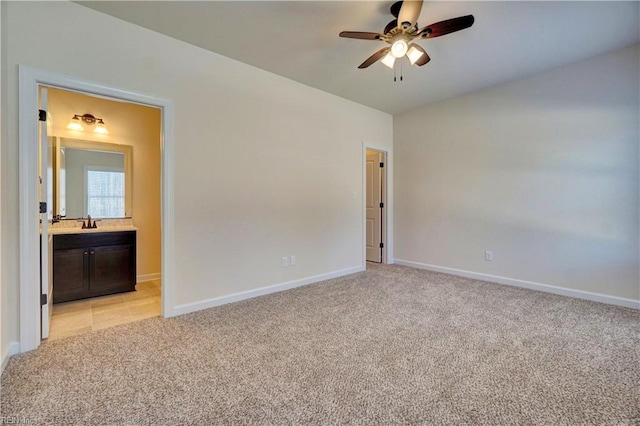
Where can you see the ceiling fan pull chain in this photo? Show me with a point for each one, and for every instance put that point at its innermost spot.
(394, 75)
(400, 71)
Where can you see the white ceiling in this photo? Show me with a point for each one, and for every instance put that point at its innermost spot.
(299, 40)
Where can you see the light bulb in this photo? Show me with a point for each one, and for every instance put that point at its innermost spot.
(101, 128)
(399, 48)
(389, 60)
(414, 54)
(74, 124)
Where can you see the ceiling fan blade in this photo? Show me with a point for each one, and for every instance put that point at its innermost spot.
(395, 8)
(409, 13)
(390, 26)
(360, 35)
(375, 57)
(424, 59)
(446, 27)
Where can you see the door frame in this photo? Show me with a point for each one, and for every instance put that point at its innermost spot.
(28, 81)
(387, 199)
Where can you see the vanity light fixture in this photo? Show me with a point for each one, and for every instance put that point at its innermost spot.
(75, 124)
(101, 128)
(77, 120)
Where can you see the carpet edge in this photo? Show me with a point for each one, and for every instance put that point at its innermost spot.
(546, 288)
(274, 288)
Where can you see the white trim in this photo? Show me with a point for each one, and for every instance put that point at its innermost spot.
(14, 348)
(29, 79)
(148, 277)
(167, 211)
(563, 291)
(28, 201)
(3, 308)
(387, 256)
(249, 294)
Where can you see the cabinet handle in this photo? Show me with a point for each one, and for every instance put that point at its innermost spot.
(86, 253)
(93, 252)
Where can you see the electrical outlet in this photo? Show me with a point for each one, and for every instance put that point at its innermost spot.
(285, 261)
(488, 256)
(293, 260)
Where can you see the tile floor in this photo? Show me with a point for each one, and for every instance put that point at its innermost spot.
(84, 316)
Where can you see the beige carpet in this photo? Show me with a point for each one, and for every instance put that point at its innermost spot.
(392, 345)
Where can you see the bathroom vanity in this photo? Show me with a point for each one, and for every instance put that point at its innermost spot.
(91, 179)
(95, 262)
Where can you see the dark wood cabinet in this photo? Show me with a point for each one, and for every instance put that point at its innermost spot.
(93, 264)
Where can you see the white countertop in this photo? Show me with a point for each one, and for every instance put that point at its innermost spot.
(79, 230)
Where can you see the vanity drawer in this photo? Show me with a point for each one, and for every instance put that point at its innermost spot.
(93, 239)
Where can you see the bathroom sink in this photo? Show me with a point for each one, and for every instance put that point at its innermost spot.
(79, 230)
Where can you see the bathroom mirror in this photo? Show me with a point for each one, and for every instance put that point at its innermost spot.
(92, 178)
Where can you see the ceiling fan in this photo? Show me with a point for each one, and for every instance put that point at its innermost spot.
(400, 33)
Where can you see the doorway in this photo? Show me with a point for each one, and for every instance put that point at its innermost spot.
(30, 80)
(375, 206)
(108, 170)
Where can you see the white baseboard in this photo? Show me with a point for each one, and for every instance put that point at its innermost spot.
(243, 295)
(563, 291)
(14, 348)
(148, 277)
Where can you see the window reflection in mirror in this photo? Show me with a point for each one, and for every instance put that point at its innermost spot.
(92, 178)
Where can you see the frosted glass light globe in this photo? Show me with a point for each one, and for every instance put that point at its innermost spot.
(399, 48)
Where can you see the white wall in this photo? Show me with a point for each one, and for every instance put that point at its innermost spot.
(542, 171)
(264, 166)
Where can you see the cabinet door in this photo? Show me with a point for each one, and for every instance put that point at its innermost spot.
(70, 274)
(112, 268)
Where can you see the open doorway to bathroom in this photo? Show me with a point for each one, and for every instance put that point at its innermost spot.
(122, 193)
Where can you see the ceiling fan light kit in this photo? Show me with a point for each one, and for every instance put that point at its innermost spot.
(401, 31)
(399, 48)
(389, 60)
(414, 54)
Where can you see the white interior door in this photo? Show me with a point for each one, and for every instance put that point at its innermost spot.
(45, 196)
(373, 205)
